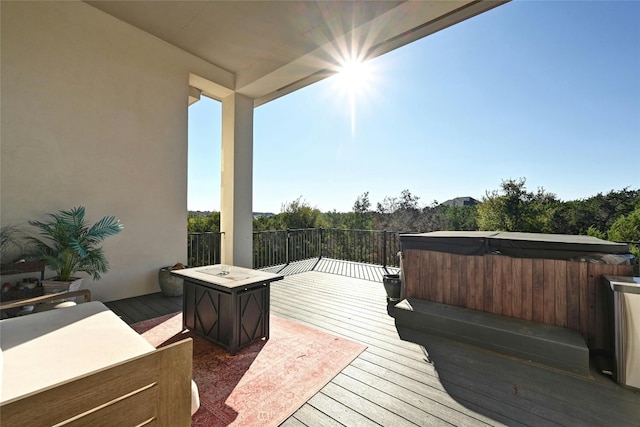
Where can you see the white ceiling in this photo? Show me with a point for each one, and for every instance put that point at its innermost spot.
(275, 47)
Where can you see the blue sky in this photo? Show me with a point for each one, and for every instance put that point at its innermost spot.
(545, 90)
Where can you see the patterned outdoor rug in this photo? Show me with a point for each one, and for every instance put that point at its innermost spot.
(263, 384)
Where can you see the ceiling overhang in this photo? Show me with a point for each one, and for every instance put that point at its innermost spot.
(273, 48)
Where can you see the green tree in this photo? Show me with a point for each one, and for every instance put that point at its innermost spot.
(598, 212)
(502, 209)
(399, 213)
(298, 214)
(609, 207)
(541, 210)
(408, 201)
(513, 208)
(456, 218)
(264, 223)
(201, 222)
(361, 218)
(335, 219)
(627, 229)
(594, 232)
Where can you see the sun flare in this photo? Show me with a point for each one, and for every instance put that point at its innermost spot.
(354, 76)
(354, 79)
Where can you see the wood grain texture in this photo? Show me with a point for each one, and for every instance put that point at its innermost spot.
(526, 283)
(556, 292)
(155, 386)
(549, 292)
(560, 281)
(538, 290)
(430, 381)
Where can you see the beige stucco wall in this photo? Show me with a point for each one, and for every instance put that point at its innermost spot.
(94, 113)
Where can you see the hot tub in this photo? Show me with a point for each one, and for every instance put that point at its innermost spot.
(549, 278)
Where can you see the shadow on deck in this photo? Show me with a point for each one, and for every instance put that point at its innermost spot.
(333, 266)
(405, 378)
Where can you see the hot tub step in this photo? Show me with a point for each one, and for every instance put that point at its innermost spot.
(549, 345)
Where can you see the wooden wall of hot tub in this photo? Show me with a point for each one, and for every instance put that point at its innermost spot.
(557, 292)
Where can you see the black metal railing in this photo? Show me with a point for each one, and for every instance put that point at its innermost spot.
(367, 246)
(281, 247)
(285, 246)
(203, 248)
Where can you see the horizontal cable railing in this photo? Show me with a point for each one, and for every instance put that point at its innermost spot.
(281, 247)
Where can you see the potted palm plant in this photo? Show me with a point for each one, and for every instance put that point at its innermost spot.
(68, 245)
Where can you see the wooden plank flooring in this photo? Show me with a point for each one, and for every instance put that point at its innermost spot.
(137, 309)
(334, 266)
(420, 380)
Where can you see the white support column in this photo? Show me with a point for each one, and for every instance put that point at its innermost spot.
(236, 196)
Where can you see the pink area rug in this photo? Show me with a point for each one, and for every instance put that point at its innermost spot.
(264, 383)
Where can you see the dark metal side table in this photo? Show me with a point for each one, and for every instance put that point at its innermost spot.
(226, 304)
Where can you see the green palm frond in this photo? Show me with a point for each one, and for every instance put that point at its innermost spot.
(68, 245)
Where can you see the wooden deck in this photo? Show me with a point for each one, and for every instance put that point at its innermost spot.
(419, 380)
(333, 266)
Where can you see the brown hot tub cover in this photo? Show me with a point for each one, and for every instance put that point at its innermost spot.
(517, 245)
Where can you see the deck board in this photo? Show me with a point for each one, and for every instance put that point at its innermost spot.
(312, 417)
(137, 309)
(356, 270)
(421, 380)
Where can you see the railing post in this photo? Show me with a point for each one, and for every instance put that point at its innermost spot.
(288, 243)
(349, 245)
(384, 249)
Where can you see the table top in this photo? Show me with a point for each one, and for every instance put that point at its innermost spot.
(228, 276)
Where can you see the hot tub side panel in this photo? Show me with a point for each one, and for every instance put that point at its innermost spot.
(556, 292)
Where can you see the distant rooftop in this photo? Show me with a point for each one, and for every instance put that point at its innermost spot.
(461, 201)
